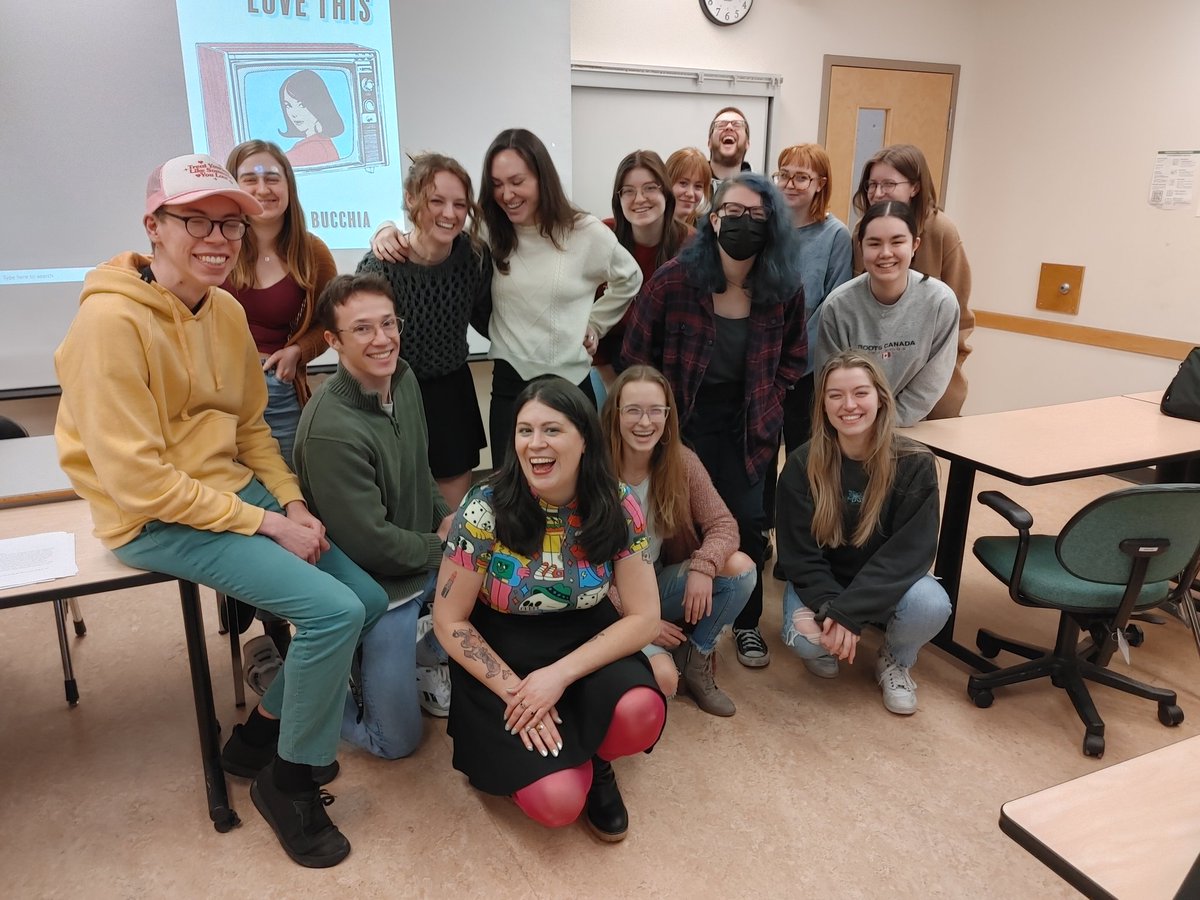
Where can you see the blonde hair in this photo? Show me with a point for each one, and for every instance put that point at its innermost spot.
(418, 188)
(670, 505)
(825, 458)
(691, 164)
(811, 156)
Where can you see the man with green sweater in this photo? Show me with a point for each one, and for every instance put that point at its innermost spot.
(362, 457)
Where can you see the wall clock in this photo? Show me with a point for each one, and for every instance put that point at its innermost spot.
(726, 12)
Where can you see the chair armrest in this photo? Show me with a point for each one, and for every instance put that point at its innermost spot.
(1014, 513)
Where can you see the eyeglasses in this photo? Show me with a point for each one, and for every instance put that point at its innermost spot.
(798, 180)
(650, 191)
(735, 124)
(885, 186)
(635, 413)
(737, 210)
(363, 332)
(202, 226)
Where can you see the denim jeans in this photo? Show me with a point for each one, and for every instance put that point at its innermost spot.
(919, 615)
(729, 596)
(391, 723)
(282, 413)
(330, 604)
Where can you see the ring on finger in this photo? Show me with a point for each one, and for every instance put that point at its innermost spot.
(541, 726)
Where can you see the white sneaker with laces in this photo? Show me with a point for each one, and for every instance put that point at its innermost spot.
(899, 689)
(433, 689)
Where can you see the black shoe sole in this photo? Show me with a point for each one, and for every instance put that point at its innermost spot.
(308, 861)
(608, 837)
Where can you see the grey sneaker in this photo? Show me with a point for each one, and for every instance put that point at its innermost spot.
(751, 648)
(825, 666)
(262, 663)
(433, 689)
(899, 689)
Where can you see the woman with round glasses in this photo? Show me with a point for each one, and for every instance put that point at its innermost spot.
(277, 279)
(445, 286)
(724, 322)
(644, 221)
(690, 178)
(901, 172)
(703, 581)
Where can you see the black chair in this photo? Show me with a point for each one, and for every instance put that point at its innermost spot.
(1117, 556)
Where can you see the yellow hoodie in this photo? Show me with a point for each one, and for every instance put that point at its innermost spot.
(161, 414)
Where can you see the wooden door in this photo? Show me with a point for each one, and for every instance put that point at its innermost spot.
(868, 104)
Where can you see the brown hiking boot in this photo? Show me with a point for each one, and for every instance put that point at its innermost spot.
(697, 671)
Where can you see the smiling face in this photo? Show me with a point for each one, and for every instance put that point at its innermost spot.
(852, 407)
(888, 247)
(261, 176)
(299, 115)
(689, 193)
(883, 176)
(515, 187)
(642, 198)
(799, 199)
(641, 434)
(372, 362)
(728, 139)
(549, 448)
(443, 214)
(188, 266)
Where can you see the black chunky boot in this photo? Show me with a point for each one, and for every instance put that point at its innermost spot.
(605, 810)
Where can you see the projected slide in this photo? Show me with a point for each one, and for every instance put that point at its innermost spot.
(313, 76)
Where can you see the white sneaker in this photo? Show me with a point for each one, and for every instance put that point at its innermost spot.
(433, 689)
(825, 666)
(262, 663)
(899, 690)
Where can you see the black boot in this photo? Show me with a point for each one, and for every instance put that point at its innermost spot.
(605, 810)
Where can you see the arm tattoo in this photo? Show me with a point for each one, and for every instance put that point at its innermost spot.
(597, 636)
(646, 557)
(449, 584)
(476, 648)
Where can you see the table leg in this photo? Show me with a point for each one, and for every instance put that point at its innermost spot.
(64, 649)
(223, 817)
(952, 542)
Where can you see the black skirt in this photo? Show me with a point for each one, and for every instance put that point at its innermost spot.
(455, 426)
(497, 762)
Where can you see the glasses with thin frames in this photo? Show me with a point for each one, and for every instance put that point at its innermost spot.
(202, 226)
(364, 332)
(635, 413)
(737, 210)
(735, 124)
(650, 191)
(799, 180)
(885, 187)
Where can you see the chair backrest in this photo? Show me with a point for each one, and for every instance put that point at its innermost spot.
(1089, 544)
(11, 429)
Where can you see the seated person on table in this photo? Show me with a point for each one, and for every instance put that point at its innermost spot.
(549, 682)
(363, 462)
(907, 322)
(857, 528)
(161, 430)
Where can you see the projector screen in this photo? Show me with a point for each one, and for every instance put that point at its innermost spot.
(130, 85)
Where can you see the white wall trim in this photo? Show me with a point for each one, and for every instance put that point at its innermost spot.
(684, 81)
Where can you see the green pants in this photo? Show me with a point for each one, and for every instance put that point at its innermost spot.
(330, 604)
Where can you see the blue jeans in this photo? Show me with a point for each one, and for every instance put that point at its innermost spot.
(282, 413)
(729, 596)
(331, 604)
(919, 615)
(391, 722)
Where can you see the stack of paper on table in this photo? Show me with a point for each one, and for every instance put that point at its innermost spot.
(37, 557)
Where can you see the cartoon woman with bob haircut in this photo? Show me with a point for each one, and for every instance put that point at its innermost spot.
(311, 116)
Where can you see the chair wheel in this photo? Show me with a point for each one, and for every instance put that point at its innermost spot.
(1169, 714)
(982, 697)
(1057, 680)
(989, 647)
(81, 629)
(1093, 745)
(1134, 635)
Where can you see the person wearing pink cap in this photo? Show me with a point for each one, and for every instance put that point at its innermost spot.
(161, 430)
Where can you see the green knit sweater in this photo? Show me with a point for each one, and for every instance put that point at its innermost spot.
(365, 474)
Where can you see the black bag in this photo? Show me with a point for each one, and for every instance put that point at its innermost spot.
(1182, 396)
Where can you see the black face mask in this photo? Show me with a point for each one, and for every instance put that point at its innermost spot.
(742, 237)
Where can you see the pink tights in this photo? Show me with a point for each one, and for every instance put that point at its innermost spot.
(557, 799)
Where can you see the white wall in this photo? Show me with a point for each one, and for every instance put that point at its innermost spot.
(1061, 108)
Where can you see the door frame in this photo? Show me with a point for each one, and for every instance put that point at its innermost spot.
(903, 65)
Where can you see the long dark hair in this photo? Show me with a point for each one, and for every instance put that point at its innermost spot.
(309, 88)
(520, 521)
(673, 231)
(895, 209)
(556, 216)
(775, 275)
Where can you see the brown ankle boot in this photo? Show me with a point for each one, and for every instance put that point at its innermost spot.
(698, 677)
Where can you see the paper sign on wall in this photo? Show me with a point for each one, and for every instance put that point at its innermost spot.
(1173, 183)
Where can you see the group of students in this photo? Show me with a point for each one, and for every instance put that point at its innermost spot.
(551, 610)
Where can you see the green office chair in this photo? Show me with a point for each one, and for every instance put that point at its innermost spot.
(1115, 557)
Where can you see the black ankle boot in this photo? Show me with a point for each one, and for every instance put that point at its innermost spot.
(605, 810)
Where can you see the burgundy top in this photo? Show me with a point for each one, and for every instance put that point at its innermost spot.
(610, 344)
(271, 311)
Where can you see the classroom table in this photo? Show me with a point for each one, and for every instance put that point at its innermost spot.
(1041, 445)
(29, 472)
(1128, 830)
(99, 572)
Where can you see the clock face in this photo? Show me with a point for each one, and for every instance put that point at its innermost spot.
(726, 12)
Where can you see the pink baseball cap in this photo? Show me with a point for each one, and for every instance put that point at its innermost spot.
(186, 179)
